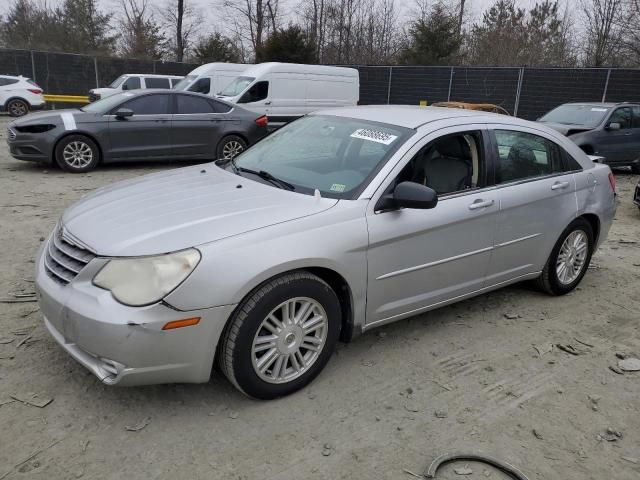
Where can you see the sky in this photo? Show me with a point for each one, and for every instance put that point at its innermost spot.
(212, 21)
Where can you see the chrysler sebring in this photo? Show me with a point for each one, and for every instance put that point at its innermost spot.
(338, 223)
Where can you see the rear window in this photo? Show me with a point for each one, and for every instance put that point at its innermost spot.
(152, 82)
(191, 104)
(7, 81)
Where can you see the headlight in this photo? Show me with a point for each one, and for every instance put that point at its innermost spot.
(146, 280)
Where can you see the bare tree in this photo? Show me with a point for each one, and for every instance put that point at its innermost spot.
(141, 35)
(604, 22)
(253, 20)
(182, 19)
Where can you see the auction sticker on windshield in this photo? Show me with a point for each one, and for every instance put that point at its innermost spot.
(374, 136)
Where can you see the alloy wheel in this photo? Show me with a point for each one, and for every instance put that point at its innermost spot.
(18, 109)
(77, 154)
(231, 149)
(572, 257)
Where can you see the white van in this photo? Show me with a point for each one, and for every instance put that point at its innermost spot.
(211, 78)
(286, 91)
(134, 81)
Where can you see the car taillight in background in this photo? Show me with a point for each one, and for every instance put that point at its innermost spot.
(612, 181)
(37, 91)
(262, 121)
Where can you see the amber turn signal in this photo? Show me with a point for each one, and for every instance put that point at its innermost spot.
(187, 322)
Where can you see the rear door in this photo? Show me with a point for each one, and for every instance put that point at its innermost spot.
(146, 134)
(197, 127)
(537, 200)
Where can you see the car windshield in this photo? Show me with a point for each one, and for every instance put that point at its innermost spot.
(106, 104)
(237, 86)
(185, 82)
(586, 115)
(334, 155)
(116, 83)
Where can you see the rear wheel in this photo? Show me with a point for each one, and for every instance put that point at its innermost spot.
(569, 259)
(77, 154)
(230, 146)
(17, 108)
(281, 336)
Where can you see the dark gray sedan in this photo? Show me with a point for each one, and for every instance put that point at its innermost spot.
(608, 130)
(136, 125)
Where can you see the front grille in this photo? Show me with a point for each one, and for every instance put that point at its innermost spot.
(11, 134)
(63, 260)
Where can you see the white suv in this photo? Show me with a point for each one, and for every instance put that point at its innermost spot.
(19, 95)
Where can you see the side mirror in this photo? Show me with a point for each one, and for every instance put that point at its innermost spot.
(614, 126)
(410, 195)
(124, 113)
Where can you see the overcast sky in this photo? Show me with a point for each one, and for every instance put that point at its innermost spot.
(213, 20)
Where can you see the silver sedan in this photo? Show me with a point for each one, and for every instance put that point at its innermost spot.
(338, 223)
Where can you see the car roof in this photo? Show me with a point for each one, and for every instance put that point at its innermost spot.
(601, 104)
(413, 116)
(261, 69)
(151, 75)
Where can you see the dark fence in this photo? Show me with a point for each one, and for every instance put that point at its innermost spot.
(525, 92)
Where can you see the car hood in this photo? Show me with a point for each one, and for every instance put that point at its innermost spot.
(51, 116)
(103, 90)
(567, 130)
(174, 210)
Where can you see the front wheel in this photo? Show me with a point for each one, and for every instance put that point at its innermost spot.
(17, 108)
(569, 259)
(77, 154)
(281, 336)
(230, 146)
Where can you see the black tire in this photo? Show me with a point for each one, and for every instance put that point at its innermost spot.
(235, 352)
(635, 169)
(548, 281)
(80, 141)
(17, 108)
(228, 145)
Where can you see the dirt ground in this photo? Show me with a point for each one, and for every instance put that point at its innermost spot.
(465, 377)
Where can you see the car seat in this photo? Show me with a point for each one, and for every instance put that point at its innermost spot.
(446, 166)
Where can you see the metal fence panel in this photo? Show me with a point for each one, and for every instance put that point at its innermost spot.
(485, 85)
(173, 68)
(624, 86)
(546, 88)
(410, 85)
(374, 85)
(64, 74)
(15, 62)
(111, 68)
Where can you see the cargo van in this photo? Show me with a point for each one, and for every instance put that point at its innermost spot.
(211, 78)
(286, 91)
(134, 81)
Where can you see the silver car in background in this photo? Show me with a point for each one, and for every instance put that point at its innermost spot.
(340, 222)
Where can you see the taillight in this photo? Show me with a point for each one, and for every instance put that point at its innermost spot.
(37, 91)
(612, 181)
(262, 121)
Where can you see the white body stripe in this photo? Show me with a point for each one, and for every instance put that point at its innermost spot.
(68, 120)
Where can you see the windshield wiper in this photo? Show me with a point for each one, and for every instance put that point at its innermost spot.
(264, 175)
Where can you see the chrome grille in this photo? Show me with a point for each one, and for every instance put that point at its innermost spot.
(11, 134)
(64, 260)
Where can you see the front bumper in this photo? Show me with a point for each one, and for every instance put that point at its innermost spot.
(32, 147)
(124, 345)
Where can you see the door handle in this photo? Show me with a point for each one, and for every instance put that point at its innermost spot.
(480, 204)
(559, 185)
(268, 103)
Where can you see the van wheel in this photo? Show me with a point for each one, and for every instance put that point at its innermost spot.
(77, 154)
(569, 259)
(230, 146)
(17, 108)
(281, 336)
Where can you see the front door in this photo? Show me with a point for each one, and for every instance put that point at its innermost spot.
(616, 145)
(536, 192)
(419, 259)
(146, 134)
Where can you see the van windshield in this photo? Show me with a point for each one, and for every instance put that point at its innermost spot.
(238, 86)
(185, 82)
(116, 83)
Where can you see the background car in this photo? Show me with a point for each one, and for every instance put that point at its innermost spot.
(134, 81)
(138, 125)
(609, 130)
(338, 223)
(636, 195)
(19, 95)
(482, 107)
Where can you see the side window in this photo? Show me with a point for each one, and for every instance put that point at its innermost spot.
(220, 107)
(258, 91)
(621, 116)
(148, 105)
(131, 83)
(524, 155)
(154, 82)
(7, 81)
(449, 164)
(192, 104)
(636, 117)
(203, 85)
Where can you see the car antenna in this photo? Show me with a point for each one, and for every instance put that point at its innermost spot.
(316, 193)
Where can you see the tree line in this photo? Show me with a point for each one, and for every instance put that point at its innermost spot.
(550, 33)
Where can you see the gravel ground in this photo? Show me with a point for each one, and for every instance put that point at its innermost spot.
(474, 376)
